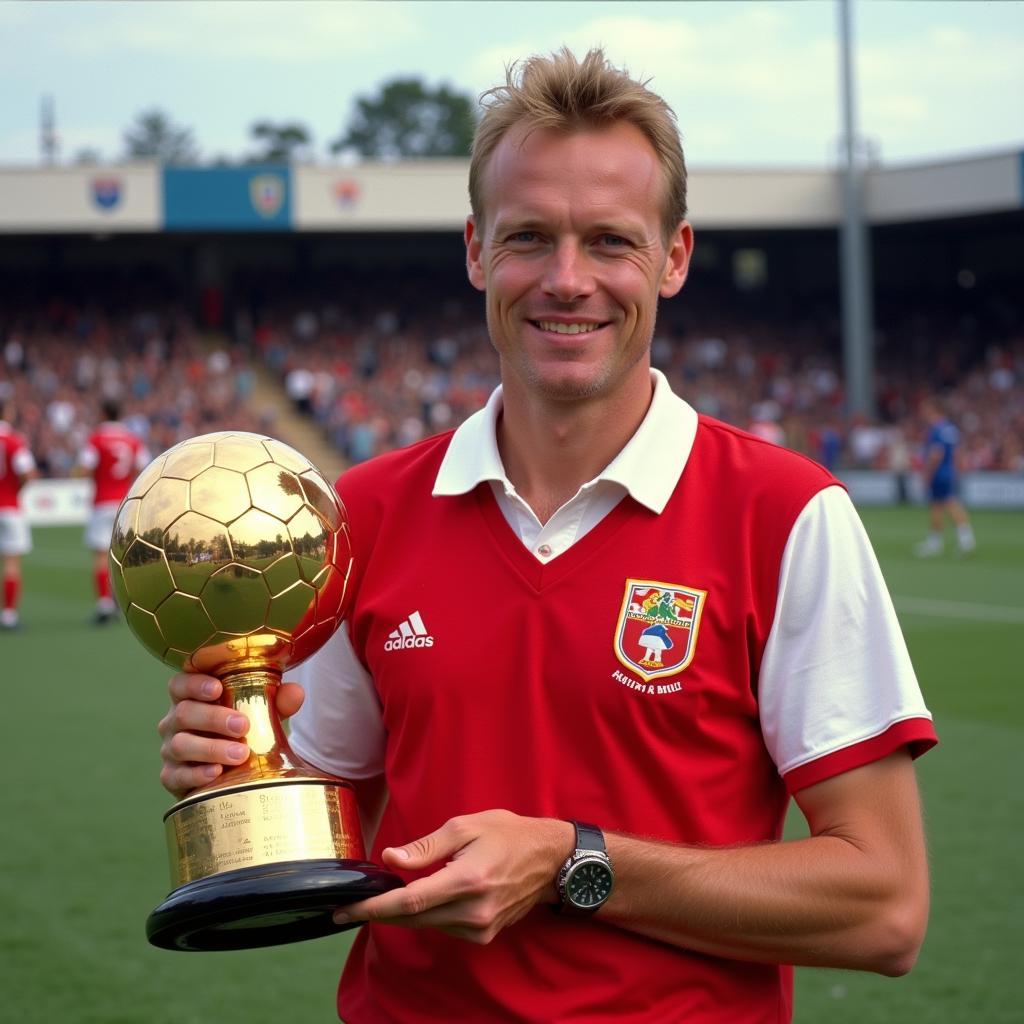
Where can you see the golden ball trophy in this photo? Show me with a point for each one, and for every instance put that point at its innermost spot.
(231, 557)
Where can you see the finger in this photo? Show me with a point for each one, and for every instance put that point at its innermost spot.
(289, 699)
(194, 686)
(451, 837)
(189, 748)
(180, 780)
(410, 901)
(193, 716)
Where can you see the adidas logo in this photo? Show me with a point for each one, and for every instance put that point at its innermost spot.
(410, 633)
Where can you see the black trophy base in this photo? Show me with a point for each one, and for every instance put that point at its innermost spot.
(270, 905)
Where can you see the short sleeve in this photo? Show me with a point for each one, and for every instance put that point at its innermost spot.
(339, 727)
(837, 689)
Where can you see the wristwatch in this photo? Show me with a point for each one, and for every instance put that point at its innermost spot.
(586, 878)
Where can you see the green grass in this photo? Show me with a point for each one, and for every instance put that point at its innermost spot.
(82, 850)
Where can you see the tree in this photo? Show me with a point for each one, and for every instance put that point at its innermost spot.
(408, 118)
(280, 142)
(154, 136)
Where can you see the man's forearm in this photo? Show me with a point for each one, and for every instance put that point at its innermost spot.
(854, 898)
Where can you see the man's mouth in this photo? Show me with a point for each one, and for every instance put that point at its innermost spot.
(577, 327)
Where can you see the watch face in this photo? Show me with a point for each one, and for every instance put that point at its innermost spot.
(589, 884)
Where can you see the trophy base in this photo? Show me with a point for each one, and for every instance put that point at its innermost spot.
(268, 905)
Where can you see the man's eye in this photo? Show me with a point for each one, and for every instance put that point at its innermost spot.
(523, 236)
(613, 241)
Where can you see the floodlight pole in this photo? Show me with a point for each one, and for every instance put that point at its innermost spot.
(855, 251)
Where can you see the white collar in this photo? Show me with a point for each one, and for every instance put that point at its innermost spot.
(648, 467)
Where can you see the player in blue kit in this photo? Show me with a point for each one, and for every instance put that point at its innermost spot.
(941, 480)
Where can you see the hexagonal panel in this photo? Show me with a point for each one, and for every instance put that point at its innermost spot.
(176, 659)
(125, 526)
(188, 459)
(331, 593)
(313, 639)
(236, 599)
(311, 542)
(220, 494)
(322, 496)
(259, 540)
(241, 452)
(291, 607)
(275, 490)
(143, 624)
(117, 583)
(282, 574)
(149, 476)
(163, 503)
(184, 622)
(196, 547)
(285, 455)
(147, 579)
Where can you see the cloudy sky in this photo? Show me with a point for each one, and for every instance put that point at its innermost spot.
(752, 83)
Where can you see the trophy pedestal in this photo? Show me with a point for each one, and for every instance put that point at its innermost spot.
(268, 905)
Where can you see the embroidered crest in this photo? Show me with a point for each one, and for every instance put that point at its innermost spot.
(267, 194)
(657, 630)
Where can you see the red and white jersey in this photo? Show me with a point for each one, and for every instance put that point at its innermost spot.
(114, 456)
(15, 462)
(661, 675)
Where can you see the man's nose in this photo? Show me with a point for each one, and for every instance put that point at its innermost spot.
(568, 275)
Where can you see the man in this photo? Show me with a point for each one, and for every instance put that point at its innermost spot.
(940, 474)
(113, 456)
(16, 467)
(587, 503)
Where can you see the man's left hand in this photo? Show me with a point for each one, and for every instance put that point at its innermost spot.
(496, 867)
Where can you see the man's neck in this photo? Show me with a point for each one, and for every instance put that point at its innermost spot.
(550, 449)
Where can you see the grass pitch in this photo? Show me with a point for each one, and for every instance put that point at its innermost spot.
(82, 849)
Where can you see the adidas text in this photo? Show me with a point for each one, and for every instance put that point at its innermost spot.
(408, 641)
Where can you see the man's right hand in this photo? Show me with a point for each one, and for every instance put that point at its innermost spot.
(201, 737)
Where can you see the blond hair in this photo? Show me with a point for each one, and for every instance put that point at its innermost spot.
(564, 94)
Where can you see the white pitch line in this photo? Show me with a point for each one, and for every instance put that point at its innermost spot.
(958, 609)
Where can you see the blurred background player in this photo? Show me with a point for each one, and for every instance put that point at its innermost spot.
(16, 466)
(940, 475)
(113, 455)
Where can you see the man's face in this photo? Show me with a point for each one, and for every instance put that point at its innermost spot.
(571, 256)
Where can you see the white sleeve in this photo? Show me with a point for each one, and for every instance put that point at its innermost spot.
(23, 462)
(88, 457)
(339, 727)
(835, 670)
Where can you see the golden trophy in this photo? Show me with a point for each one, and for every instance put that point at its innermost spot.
(231, 556)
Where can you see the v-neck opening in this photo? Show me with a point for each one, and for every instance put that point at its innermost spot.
(542, 574)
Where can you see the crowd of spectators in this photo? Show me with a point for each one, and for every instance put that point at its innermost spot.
(384, 374)
(389, 378)
(59, 361)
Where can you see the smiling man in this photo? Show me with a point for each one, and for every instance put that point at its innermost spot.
(589, 832)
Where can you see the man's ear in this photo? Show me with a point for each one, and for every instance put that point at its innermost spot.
(677, 263)
(474, 248)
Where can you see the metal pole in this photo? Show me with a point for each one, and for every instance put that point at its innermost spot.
(855, 253)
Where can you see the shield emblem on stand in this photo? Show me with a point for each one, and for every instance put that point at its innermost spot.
(267, 194)
(656, 634)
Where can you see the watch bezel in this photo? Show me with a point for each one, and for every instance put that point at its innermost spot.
(575, 865)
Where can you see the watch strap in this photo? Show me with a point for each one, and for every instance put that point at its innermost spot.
(589, 837)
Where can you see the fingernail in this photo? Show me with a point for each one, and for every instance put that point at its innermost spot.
(236, 751)
(237, 723)
(400, 852)
(341, 918)
(211, 688)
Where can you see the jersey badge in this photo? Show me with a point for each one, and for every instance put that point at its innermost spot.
(657, 630)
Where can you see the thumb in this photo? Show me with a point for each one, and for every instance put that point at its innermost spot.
(421, 853)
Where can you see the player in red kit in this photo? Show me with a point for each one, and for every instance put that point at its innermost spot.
(643, 633)
(113, 456)
(16, 466)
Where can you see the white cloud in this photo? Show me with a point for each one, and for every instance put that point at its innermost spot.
(272, 31)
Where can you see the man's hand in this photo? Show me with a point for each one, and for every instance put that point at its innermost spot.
(497, 867)
(201, 736)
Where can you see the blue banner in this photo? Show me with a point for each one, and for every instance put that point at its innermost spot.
(252, 198)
